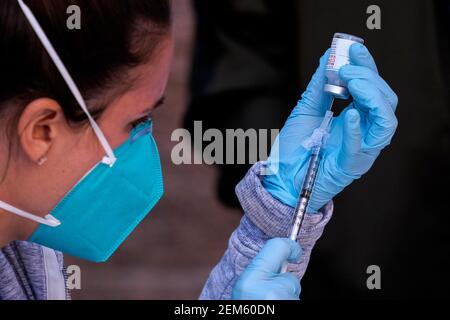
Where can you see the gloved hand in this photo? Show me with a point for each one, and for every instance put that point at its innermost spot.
(356, 138)
(262, 279)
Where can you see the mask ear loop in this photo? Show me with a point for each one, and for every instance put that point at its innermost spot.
(48, 220)
(110, 158)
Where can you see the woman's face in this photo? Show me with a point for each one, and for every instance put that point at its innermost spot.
(71, 152)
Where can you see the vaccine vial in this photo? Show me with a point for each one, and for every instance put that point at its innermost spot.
(339, 56)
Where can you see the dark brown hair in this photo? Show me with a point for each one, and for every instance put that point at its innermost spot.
(115, 36)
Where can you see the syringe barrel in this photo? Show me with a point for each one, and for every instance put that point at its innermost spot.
(305, 193)
(310, 177)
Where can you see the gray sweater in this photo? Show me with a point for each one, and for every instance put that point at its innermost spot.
(30, 271)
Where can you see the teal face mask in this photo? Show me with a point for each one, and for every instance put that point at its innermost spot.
(104, 207)
(108, 203)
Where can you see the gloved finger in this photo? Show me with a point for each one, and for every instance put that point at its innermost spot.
(351, 140)
(312, 101)
(288, 286)
(380, 116)
(360, 56)
(272, 256)
(350, 72)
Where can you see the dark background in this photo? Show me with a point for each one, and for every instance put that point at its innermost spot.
(396, 216)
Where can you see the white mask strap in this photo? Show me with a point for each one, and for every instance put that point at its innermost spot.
(110, 159)
(48, 220)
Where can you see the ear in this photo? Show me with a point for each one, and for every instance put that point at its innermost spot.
(40, 123)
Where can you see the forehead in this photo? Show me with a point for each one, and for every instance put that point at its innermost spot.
(147, 84)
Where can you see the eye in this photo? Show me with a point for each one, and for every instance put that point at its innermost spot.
(142, 120)
(148, 116)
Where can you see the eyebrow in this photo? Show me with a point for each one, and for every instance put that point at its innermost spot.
(158, 104)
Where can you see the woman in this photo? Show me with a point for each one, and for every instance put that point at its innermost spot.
(79, 168)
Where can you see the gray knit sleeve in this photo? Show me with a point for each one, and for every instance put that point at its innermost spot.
(264, 218)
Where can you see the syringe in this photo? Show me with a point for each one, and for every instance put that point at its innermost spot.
(310, 177)
(339, 56)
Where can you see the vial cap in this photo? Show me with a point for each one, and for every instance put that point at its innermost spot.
(336, 91)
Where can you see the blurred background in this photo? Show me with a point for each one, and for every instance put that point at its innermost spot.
(243, 64)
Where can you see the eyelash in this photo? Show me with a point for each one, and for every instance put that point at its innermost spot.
(148, 117)
(137, 122)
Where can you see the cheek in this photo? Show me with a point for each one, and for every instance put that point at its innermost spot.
(116, 137)
(69, 161)
(116, 120)
(115, 124)
(80, 153)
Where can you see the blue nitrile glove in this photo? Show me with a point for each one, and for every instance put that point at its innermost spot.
(356, 137)
(262, 279)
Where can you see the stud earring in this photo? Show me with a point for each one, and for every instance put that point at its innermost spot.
(42, 160)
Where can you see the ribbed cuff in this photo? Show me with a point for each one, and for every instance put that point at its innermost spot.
(273, 217)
